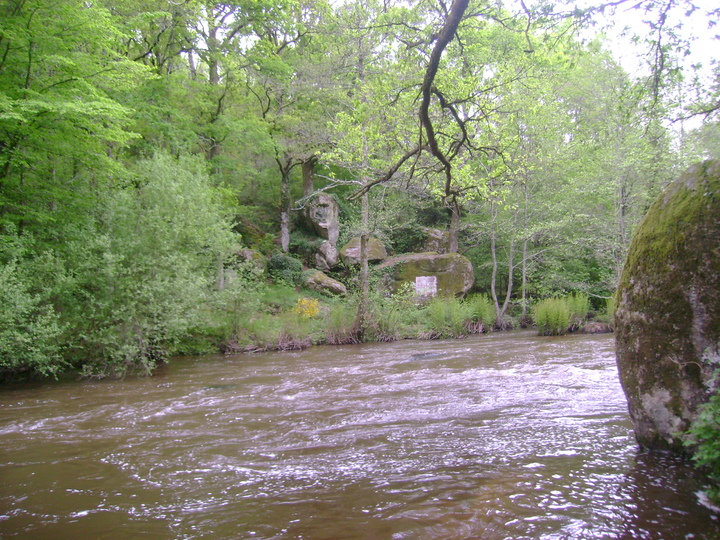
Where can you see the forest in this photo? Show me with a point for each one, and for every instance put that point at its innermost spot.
(156, 157)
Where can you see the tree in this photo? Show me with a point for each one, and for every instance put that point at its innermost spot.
(59, 125)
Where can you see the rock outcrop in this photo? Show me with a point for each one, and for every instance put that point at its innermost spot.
(350, 252)
(667, 321)
(453, 272)
(322, 214)
(437, 240)
(327, 256)
(320, 282)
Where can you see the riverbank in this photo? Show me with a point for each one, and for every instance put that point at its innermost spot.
(312, 321)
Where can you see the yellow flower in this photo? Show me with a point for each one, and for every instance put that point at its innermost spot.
(307, 308)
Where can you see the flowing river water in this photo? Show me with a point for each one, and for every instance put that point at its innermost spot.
(499, 436)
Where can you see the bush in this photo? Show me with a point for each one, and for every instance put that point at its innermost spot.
(307, 308)
(406, 238)
(481, 311)
(340, 323)
(447, 317)
(578, 306)
(704, 438)
(391, 318)
(552, 316)
(142, 278)
(29, 329)
(286, 269)
(305, 247)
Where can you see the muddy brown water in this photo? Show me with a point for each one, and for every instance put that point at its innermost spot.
(500, 436)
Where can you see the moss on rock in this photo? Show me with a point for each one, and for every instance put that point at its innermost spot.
(667, 320)
(318, 281)
(454, 272)
(350, 252)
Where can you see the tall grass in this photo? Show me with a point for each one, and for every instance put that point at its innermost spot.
(578, 307)
(481, 312)
(447, 317)
(340, 322)
(552, 316)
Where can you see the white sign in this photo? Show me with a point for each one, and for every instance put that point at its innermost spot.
(426, 285)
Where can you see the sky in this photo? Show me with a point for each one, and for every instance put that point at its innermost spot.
(695, 27)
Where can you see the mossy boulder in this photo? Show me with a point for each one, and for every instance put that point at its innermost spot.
(255, 258)
(454, 272)
(667, 321)
(318, 281)
(350, 252)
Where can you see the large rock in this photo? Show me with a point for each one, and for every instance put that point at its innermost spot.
(667, 321)
(320, 282)
(453, 273)
(350, 252)
(437, 240)
(322, 213)
(327, 256)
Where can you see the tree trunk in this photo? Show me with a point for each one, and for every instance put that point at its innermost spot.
(511, 272)
(447, 33)
(526, 223)
(285, 168)
(454, 225)
(364, 305)
(213, 149)
(523, 286)
(308, 175)
(493, 252)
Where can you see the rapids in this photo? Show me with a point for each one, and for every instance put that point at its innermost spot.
(499, 436)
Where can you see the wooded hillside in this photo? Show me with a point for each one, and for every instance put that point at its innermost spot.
(145, 146)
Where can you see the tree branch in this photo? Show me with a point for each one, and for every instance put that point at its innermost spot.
(446, 35)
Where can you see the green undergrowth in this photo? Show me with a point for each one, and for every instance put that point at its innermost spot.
(561, 315)
(246, 314)
(703, 439)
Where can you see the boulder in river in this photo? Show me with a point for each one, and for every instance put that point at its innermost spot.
(453, 273)
(667, 321)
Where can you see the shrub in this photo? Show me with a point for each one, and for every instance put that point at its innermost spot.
(407, 238)
(704, 437)
(340, 323)
(578, 306)
(29, 329)
(307, 308)
(552, 316)
(140, 280)
(286, 269)
(447, 317)
(304, 247)
(481, 311)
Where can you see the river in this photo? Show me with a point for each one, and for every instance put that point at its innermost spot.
(499, 436)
